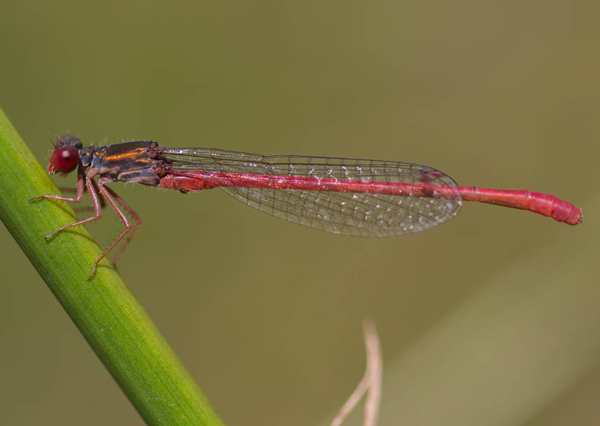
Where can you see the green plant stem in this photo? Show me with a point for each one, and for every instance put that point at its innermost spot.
(114, 324)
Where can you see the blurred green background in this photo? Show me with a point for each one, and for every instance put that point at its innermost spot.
(490, 319)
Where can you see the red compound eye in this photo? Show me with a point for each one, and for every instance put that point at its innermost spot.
(64, 159)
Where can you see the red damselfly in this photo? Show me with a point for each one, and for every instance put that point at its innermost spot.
(369, 198)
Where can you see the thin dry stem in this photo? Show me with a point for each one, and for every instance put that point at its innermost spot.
(370, 383)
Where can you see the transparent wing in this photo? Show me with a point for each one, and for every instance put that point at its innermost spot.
(349, 213)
